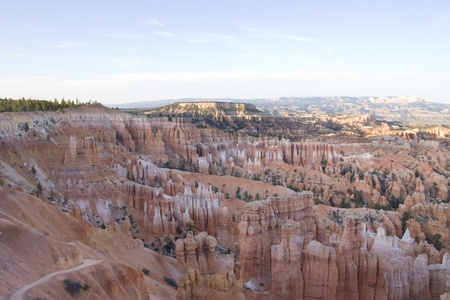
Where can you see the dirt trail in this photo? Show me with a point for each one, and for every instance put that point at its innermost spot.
(20, 294)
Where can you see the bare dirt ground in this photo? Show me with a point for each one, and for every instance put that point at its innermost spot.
(20, 294)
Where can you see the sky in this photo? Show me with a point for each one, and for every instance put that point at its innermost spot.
(128, 51)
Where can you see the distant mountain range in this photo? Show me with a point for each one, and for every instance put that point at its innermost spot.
(402, 109)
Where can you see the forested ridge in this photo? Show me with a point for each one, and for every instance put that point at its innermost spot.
(14, 105)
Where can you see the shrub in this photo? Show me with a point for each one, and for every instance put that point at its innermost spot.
(406, 216)
(145, 271)
(395, 202)
(39, 188)
(344, 204)
(317, 201)
(331, 201)
(170, 245)
(190, 227)
(436, 241)
(171, 282)
(179, 231)
(86, 287)
(2, 182)
(72, 287)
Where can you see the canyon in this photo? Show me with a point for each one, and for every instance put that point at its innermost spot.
(212, 200)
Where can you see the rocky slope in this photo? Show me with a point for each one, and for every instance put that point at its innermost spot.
(296, 210)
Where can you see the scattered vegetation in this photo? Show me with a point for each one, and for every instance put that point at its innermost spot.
(38, 189)
(395, 202)
(247, 196)
(405, 217)
(190, 227)
(169, 247)
(344, 203)
(378, 206)
(72, 287)
(435, 240)
(334, 216)
(238, 192)
(171, 282)
(358, 198)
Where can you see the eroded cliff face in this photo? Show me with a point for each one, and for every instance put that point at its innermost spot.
(361, 265)
(39, 239)
(193, 285)
(260, 228)
(305, 212)
(199, 252)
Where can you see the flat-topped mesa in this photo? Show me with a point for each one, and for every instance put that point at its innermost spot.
(221, 286)
(400, 99)
(260, 228)
(208, 108)
(216, 114)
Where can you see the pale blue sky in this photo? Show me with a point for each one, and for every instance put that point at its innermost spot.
(128, 51)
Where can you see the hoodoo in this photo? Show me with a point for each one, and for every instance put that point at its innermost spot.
(215, 200)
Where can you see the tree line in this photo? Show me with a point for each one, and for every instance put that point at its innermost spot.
(15, 105)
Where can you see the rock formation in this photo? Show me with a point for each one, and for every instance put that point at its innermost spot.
(260, 228)
(370, 222)
(199, 252)
(193, 285)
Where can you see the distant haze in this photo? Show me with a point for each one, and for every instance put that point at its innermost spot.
(400, 109)
(285, 100)
(129, 51)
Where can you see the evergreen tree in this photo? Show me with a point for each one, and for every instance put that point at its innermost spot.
(39, 188)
